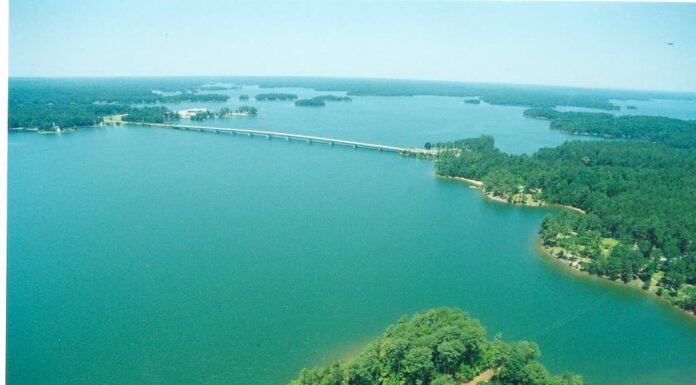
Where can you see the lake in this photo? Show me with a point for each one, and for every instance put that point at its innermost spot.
(155, 256)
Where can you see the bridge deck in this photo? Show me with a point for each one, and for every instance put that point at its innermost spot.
(284, 135)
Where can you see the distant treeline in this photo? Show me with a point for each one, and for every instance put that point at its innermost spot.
(67, 103)
(501, 94)
(30, 96)
(640, 199)
(439, 347)
(672, 132)
(217, 88)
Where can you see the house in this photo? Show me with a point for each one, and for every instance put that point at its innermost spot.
(187, 114)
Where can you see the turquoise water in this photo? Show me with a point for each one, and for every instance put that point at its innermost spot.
(399, 121)
(155, 256)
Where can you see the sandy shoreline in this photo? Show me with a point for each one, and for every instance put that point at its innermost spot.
(474, 182)
(479, 185)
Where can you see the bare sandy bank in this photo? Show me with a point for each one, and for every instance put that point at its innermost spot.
(532, 203)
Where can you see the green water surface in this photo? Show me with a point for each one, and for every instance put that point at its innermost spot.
(153, 256)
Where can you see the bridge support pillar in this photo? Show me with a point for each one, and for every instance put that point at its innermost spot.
(268, 137)
(331, 144)
(355, 146)
(309, 141)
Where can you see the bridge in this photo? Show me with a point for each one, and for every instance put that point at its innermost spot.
(287, 137)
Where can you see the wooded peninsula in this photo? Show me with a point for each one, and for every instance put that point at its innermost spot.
(439, 347)
(638, 194)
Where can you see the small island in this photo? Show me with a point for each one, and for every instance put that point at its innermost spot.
(275, 96)
(442, 346)
(631, 107)
(333, 98)
(472, 101)
(243, 97)
(319, 101)
(310, 103)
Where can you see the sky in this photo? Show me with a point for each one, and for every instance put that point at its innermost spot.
(608, 45)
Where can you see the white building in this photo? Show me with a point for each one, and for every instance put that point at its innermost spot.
(187, 114)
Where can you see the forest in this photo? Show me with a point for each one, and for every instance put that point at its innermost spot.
(639, 196)
(68, 103)
(441, 346)
(672, 132)
(48, 117)
(149, 115)
(76, 102)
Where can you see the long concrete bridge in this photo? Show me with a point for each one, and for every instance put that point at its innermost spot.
(287, 137)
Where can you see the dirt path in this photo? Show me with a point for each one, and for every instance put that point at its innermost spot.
(481, 378)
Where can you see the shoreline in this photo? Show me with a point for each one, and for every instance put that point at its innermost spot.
(566, 264)
(479, 185)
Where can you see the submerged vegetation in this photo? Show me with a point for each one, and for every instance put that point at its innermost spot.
(440, 347)
(639, 198)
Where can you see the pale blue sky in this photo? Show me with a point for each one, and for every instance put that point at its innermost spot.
(590, 44)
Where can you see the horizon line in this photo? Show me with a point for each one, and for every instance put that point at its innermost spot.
(598, 88)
